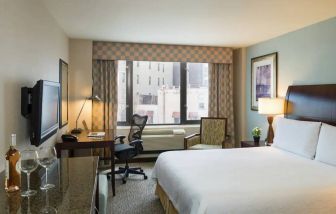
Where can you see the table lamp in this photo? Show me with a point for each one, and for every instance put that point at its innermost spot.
(79, 130)
(270, 107)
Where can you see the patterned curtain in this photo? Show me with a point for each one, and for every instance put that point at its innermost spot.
(221, 95)
(105, 80)
(160, 52)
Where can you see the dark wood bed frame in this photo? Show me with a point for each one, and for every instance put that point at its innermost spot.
(311, 103)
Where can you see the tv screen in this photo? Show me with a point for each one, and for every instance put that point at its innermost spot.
(45, 110)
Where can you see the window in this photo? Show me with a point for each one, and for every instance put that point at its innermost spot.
(197, 90)
(121, 117)
(180, 95)
(123, 77)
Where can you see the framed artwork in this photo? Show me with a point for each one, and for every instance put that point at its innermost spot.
(264, 78)
(64, 92)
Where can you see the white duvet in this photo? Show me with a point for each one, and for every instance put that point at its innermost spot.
(247, 180)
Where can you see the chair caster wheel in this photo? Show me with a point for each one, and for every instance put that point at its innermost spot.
(145, 177)
(123, 181)
(141, 170)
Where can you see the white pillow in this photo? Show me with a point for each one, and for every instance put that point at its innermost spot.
(299, 137)
(326, 146)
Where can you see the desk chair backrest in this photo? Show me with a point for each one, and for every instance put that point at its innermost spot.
(138, 123)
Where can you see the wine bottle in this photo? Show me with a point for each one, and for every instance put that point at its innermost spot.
(12, 168)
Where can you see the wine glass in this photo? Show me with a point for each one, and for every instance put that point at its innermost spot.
(28, 163)
(47, 208)
(46, 157)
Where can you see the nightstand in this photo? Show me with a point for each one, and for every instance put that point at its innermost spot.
(251, 143)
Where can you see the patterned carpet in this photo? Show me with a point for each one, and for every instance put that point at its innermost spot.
(137, 195)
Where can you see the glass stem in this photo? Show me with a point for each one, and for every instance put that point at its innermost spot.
(46, 175)
(47, 199)
(28, 181)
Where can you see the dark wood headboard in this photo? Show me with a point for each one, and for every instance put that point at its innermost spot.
(311, 103)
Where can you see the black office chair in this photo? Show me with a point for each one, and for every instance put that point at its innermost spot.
(127, 151)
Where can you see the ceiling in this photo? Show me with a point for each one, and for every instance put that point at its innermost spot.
(231, 23)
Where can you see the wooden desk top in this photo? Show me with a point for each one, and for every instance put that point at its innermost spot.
(88, 142)
(74, 192)
(83, 137)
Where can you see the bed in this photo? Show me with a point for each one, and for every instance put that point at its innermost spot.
(255, 180)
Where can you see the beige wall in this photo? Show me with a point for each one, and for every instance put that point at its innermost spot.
(31, 45)
(239, 99)
(80, 81)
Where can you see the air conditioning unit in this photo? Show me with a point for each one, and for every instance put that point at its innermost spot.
(163, 139)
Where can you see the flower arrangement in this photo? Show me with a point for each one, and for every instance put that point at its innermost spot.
(256, 132)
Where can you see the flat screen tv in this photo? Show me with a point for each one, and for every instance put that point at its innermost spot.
(44, 111)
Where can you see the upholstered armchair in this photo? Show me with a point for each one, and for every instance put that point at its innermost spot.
(213, 135)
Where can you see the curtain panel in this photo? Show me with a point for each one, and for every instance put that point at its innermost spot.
(104, 114)
(163, 53)
(221, 95)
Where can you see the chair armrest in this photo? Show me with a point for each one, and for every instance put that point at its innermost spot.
(121, 138)
(137, 144)
(191, 140)
(226, 141)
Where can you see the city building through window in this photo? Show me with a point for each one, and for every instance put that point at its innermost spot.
(181, 95)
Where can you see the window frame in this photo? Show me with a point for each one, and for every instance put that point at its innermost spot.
(183, 97)
(183, 101)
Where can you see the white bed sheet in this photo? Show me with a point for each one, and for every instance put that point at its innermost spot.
(246, 180)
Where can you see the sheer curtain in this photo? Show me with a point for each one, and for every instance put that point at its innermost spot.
(221, 95)
(105, 80)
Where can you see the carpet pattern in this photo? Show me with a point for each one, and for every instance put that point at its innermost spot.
(137, 196)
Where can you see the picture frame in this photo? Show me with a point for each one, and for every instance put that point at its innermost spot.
(263, 78)
(64, 93)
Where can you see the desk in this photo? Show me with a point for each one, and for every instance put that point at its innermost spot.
(85, 142)
(76, 185)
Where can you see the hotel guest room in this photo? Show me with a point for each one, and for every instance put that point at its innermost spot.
(168, 106)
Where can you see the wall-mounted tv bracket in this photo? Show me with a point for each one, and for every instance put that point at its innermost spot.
(26, 101)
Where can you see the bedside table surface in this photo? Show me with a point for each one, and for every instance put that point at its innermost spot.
(251, 143)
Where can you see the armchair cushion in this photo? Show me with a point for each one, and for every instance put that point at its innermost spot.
(191, 140)
(205, 146)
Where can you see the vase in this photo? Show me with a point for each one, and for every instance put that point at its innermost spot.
(256, 139)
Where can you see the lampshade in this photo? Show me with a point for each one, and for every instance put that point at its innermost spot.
(271, 106)
(94, 98)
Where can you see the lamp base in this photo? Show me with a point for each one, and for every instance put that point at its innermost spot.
(270, 133)
(76, 131)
